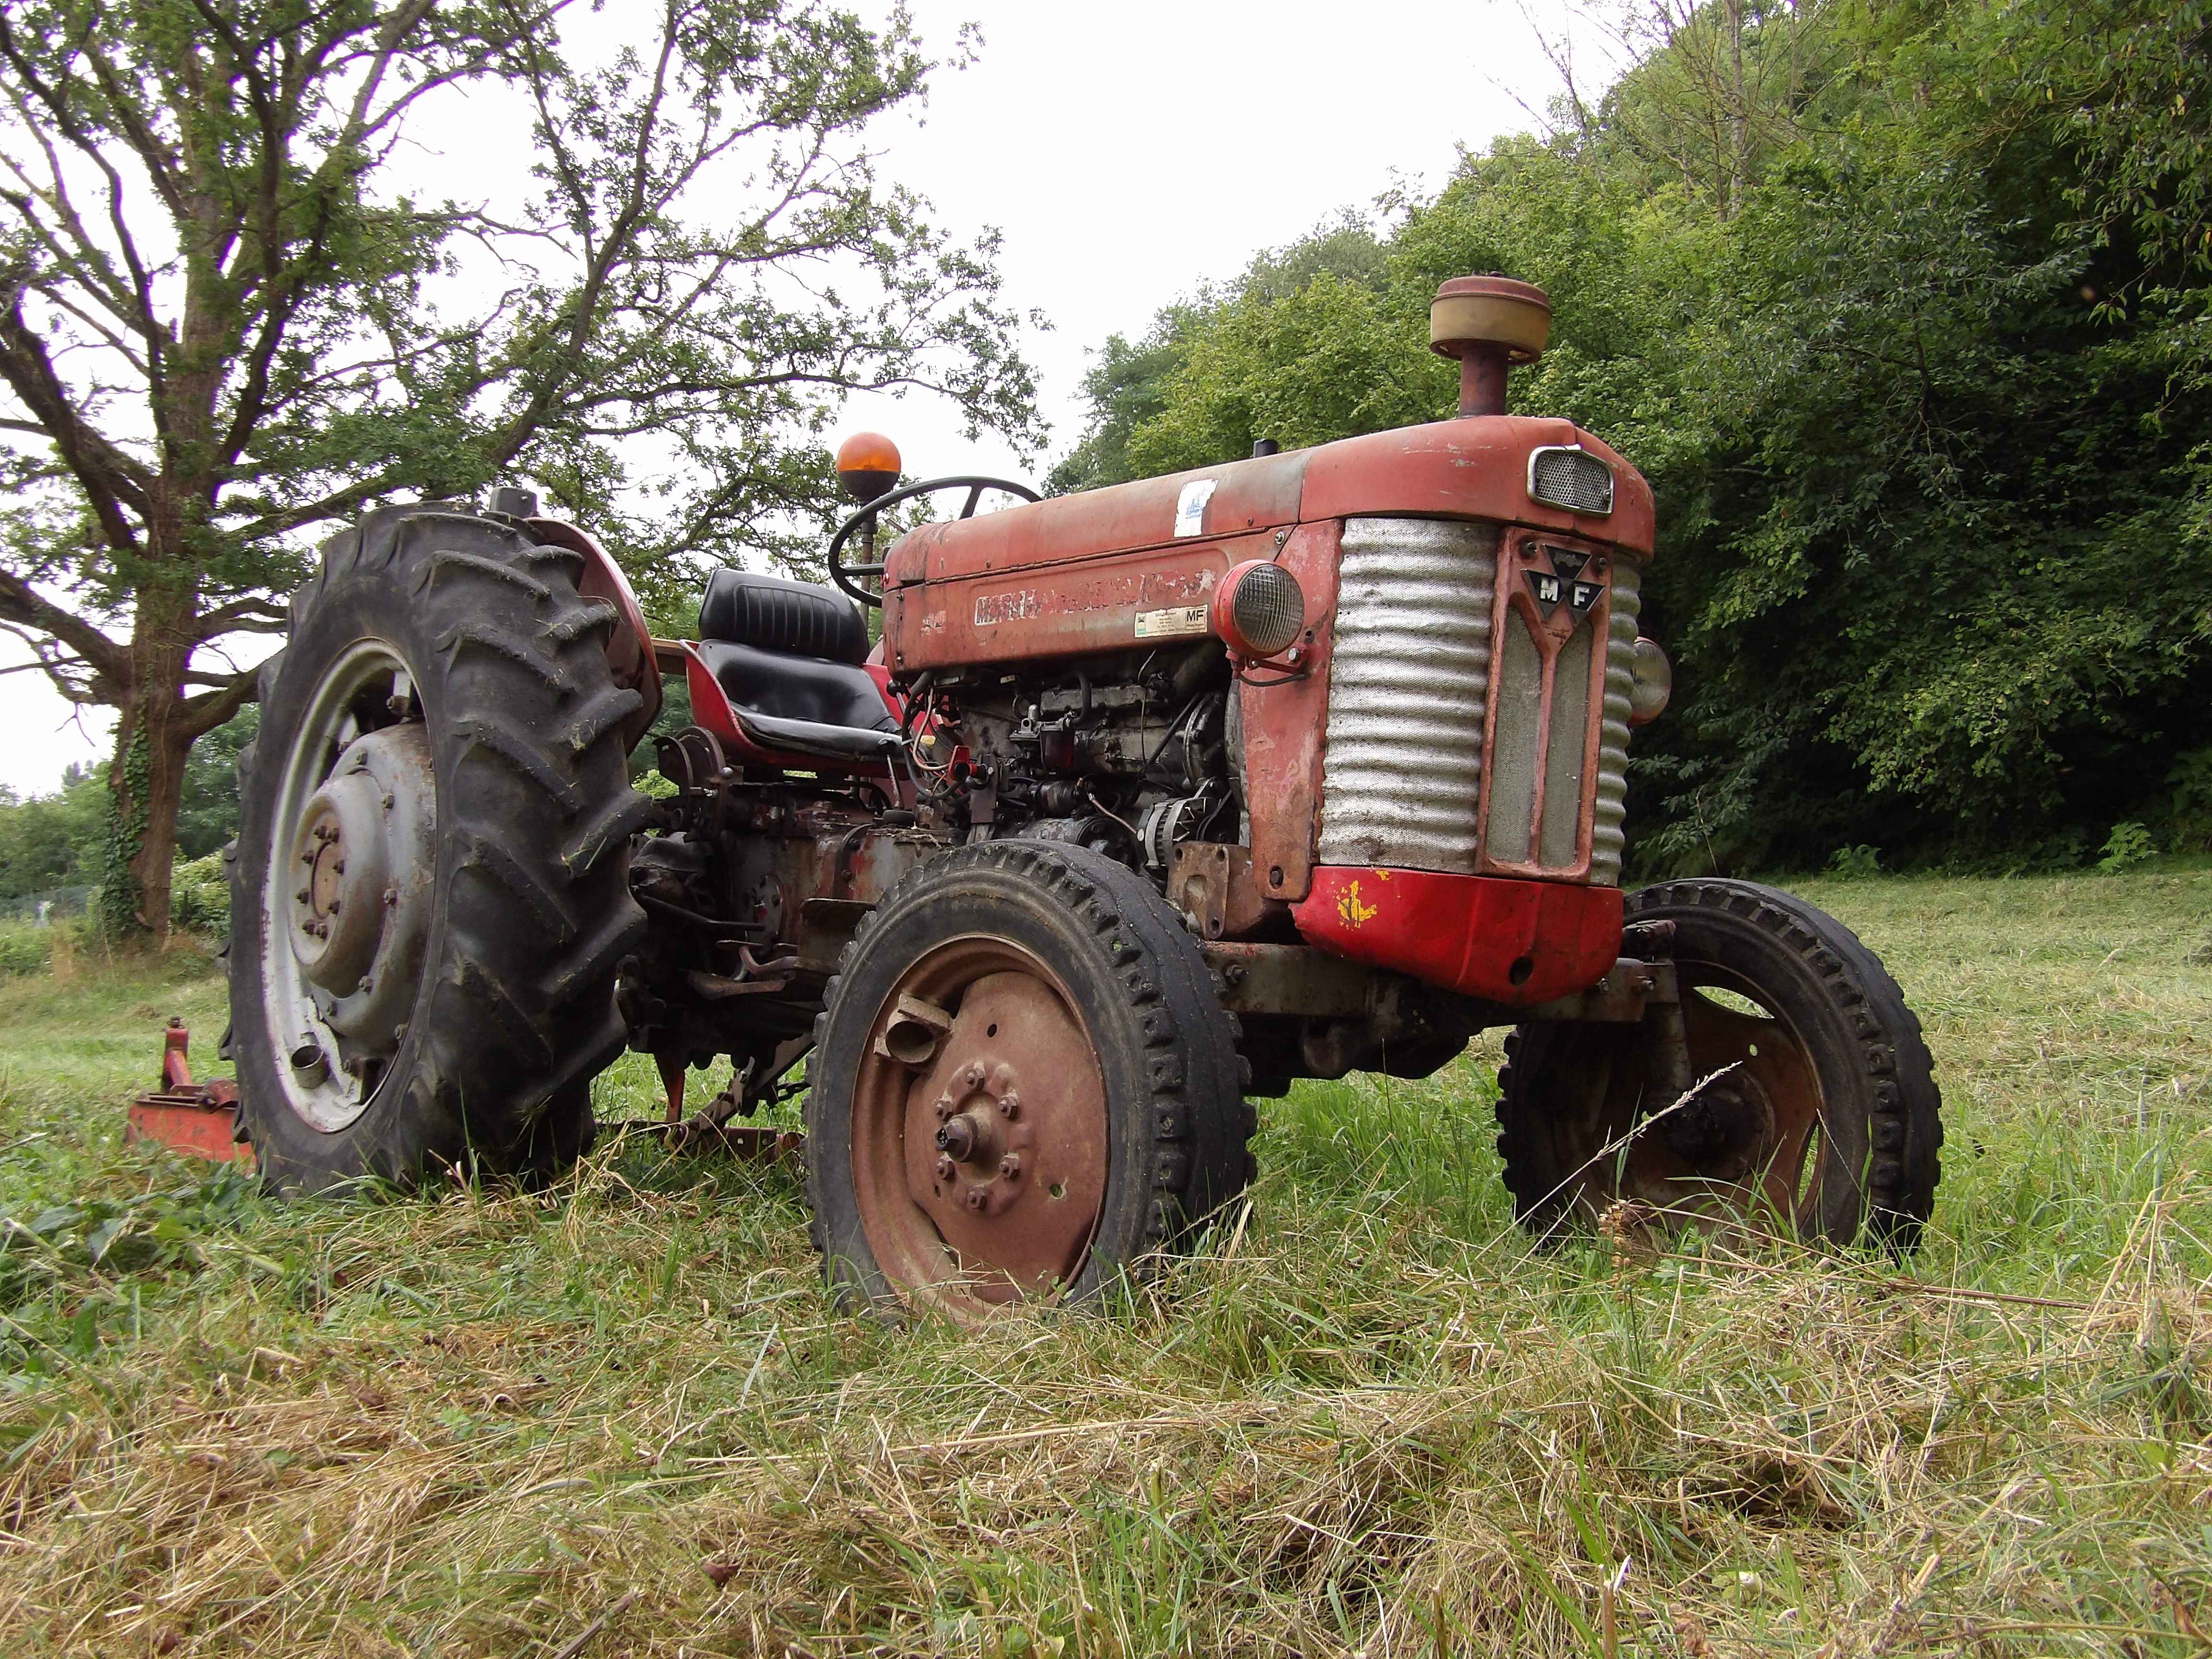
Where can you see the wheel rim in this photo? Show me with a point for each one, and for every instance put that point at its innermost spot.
(348, 901)
(1747, 1141)
(980, 1147)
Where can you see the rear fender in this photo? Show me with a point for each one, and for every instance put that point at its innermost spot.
(630, 641)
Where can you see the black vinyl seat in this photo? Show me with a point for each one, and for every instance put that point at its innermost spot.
(788, 656)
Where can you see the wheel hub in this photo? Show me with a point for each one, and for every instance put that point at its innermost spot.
(985, 1179)
(363, 857)
(1725, 1130)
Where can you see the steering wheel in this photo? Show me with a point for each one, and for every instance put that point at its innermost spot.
(843, 575)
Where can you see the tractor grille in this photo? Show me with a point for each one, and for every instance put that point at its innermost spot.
(1415, 666)
(1409, 683)
(1606, 838)
(1572, 478)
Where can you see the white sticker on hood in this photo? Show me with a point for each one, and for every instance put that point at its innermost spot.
(1190, 506)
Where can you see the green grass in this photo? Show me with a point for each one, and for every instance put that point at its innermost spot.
(1366, 1421)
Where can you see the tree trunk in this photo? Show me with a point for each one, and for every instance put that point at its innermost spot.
(146, 781)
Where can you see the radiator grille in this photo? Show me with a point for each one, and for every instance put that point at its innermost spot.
(1605, 835)
(1572, 478)
(1408, 682)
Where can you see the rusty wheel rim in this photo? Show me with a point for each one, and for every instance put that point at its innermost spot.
(1747, 1147)
(980, 1152)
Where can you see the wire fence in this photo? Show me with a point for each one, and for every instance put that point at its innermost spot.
(55, 904)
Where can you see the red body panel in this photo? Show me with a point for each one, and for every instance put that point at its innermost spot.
(1285, 718)
(1470, 933)
(1069, 610)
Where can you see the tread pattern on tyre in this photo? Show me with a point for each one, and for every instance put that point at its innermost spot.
(1197, 1153)
(1902, 1170)
(535, 816)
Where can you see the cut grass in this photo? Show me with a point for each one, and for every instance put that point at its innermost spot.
(1366, 1420)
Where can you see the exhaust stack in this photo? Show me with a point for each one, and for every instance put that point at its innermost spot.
(1491, 324)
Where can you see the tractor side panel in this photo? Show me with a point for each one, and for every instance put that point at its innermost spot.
(1069, 610)
(1286, 722)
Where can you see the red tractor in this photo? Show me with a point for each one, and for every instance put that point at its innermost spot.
(1147, 801)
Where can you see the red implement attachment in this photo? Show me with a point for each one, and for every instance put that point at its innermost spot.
(198, 1119)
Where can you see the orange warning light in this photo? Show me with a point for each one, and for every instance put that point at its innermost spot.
(868, 466)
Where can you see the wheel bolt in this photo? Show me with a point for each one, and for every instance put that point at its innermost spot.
(1010, 1105)
(943, 1108)
(974, 1076)
(1011, 1166)
(978, 1197)
(946, 1168)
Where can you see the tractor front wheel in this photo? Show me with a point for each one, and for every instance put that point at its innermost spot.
(1814, 1109)
(1024, 1085)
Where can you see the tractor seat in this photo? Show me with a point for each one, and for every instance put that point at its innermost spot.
(788, 656)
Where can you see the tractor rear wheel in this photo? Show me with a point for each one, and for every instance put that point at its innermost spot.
(1022, 1086)
(431, 894)
(1817, 1114)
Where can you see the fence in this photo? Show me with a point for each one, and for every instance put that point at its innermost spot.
(54, 904)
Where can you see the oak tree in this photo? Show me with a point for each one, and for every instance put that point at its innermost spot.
(225, 329)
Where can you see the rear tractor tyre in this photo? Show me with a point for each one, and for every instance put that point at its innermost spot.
(430, 893)
(1819, 1116)
(1024, 1086)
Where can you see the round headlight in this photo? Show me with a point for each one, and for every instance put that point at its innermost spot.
(1653, 683)
(1259, 610)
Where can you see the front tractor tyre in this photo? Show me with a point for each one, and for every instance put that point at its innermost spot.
(430, 892)
(1814, 1111)
(1024, 1087)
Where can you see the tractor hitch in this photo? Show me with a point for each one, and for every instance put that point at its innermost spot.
(198, 1119)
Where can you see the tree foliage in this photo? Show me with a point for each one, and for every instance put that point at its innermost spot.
(224, 332)
(1902, 310)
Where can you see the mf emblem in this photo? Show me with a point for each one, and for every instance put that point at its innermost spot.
(1574, 580)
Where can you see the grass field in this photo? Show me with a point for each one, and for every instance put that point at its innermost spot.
(621, 1418)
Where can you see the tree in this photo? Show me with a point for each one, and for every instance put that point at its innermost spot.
(1901, 310)
(219, 331)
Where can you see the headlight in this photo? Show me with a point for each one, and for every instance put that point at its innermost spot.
(1259, 610)
(1652, 684)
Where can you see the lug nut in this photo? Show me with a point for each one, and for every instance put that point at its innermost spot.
(337, 867)
(1010, 1105)
(973, 1077)
(300, 897)
(1011, 1166)
(943, 1108)
(334, 907)
(946, 1168)
(977, 1198)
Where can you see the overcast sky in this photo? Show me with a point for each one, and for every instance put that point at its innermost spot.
(1127, 153)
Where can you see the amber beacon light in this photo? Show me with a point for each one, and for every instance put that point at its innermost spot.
(868, 466)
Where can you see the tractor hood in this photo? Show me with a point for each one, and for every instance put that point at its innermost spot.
(1474, 468)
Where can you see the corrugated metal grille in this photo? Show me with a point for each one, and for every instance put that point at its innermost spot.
(1572, 478)
(1606, 838)
(1408, 681)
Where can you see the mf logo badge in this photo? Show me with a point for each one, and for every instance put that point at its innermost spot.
(1574, 580)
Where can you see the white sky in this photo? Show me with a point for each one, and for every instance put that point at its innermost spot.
(1127, 153)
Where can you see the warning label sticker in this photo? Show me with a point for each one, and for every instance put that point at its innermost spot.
(1172, 623)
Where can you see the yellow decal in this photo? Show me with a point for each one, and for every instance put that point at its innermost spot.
(1353, 912)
